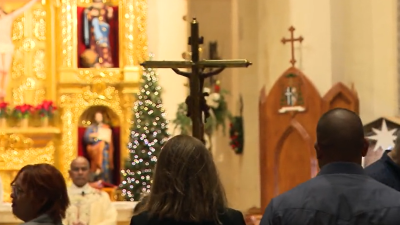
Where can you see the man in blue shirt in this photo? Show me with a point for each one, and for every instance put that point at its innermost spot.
(387, 169)
(342, 193)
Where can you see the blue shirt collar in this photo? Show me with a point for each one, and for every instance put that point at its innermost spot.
(342, 168)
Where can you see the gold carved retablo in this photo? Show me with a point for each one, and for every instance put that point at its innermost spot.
(45, 67)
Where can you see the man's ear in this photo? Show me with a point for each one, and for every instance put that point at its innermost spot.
(365, 147)
(318, 150)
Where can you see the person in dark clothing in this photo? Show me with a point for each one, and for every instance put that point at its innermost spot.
(341, 193)
(186, 188)
(387, 169)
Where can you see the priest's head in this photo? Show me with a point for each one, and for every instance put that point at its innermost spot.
(79, 171)
(340, 137)
(37, 190)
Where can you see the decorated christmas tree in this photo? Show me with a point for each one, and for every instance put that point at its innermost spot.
(148, 134)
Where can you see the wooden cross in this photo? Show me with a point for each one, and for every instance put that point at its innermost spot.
(292, 40)
(198, 110)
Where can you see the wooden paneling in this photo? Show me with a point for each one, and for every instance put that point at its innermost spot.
(340, 96)
(290, 162)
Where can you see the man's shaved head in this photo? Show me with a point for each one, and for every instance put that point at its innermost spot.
(79, 171)
(340, 136)
(78, 160)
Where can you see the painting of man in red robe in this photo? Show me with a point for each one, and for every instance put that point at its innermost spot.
(98, 35)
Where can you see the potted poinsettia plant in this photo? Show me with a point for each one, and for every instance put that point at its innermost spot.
(46, 110)
(22, 113)
(4, 111)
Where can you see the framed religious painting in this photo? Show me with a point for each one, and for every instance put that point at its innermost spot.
(98, 34)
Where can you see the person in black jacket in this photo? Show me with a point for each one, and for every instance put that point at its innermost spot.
(341, 193)
(387, 169)
(186, 188)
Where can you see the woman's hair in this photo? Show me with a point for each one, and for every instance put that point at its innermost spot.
(140, 204)
(46, 184)
(186, 186)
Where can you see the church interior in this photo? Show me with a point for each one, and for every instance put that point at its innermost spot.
(307, 57)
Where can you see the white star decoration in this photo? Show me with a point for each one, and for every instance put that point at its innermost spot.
(384, 138)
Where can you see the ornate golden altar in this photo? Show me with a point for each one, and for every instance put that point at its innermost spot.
(45, 66)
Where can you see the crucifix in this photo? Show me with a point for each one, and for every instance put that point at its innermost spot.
(196, 103)
(292, 40)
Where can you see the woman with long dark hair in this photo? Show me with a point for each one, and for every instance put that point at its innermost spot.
(186, 188)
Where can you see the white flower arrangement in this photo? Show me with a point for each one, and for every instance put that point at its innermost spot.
(212, 100)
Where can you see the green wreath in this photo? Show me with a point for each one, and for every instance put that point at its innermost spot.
(236, 130)
(236, 133)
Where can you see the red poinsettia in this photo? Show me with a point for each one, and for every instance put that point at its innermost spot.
(23, 111)
(46, 109)
(3, 109)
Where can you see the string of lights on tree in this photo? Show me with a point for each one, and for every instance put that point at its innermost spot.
(148, 134)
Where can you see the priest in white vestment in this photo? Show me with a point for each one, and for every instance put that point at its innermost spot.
(89, 206)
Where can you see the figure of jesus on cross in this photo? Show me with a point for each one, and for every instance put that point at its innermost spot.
(197, 107)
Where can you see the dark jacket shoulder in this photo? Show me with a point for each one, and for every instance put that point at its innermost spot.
(228, 217)
(385, 171)
(356, 199)
(336, 187)
(379, 171)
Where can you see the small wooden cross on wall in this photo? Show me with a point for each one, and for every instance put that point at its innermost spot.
(198, 110)
(292, 40)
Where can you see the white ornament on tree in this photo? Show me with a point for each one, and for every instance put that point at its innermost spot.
(384, 138)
